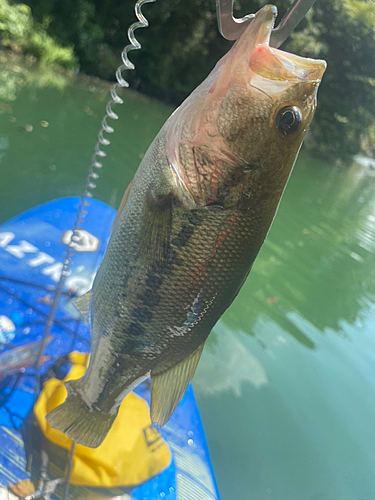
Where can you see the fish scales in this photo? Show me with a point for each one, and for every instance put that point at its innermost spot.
(161, 294)
(189, 228)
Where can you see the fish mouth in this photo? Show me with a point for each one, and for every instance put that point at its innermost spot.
(275, 64)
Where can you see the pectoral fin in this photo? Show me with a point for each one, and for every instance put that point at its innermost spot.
(83, 305)
(168, 388)
(156, 229)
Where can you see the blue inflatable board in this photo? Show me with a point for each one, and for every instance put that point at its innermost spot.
(32, 248)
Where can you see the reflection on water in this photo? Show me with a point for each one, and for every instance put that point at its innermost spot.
(287, 378)
(51, 126)
(4, 143)
(228, 363)
(318, 259)
(17, 73)
(308, 309)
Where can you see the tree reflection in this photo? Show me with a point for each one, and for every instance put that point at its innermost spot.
(18, 72)
(316, 269)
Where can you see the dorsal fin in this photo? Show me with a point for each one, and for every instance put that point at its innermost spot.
(123, 203)
(168, 388)
(83, 305)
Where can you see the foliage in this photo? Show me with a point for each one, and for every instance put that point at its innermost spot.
(345, 30)
(182, 45)
(20, 32)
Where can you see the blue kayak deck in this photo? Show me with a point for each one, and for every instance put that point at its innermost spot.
(32, 248)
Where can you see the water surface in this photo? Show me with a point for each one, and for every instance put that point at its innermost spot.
(286, 381)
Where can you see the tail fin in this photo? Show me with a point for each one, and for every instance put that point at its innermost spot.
(80, 423)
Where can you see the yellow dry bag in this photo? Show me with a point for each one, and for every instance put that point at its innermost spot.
(133, 450)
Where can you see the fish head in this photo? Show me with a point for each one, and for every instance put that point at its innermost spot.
(252, 113)
(266, 97)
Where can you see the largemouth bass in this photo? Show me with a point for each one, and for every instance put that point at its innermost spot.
(189, 228)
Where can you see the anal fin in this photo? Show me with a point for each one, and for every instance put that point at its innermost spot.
(168, 388)
(82, 303)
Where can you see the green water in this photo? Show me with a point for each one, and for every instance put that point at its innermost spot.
(286, 382)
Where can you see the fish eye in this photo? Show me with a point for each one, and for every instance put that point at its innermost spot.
(288, 120)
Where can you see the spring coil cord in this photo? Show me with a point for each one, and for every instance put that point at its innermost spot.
(90, 185)
(95, 165)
